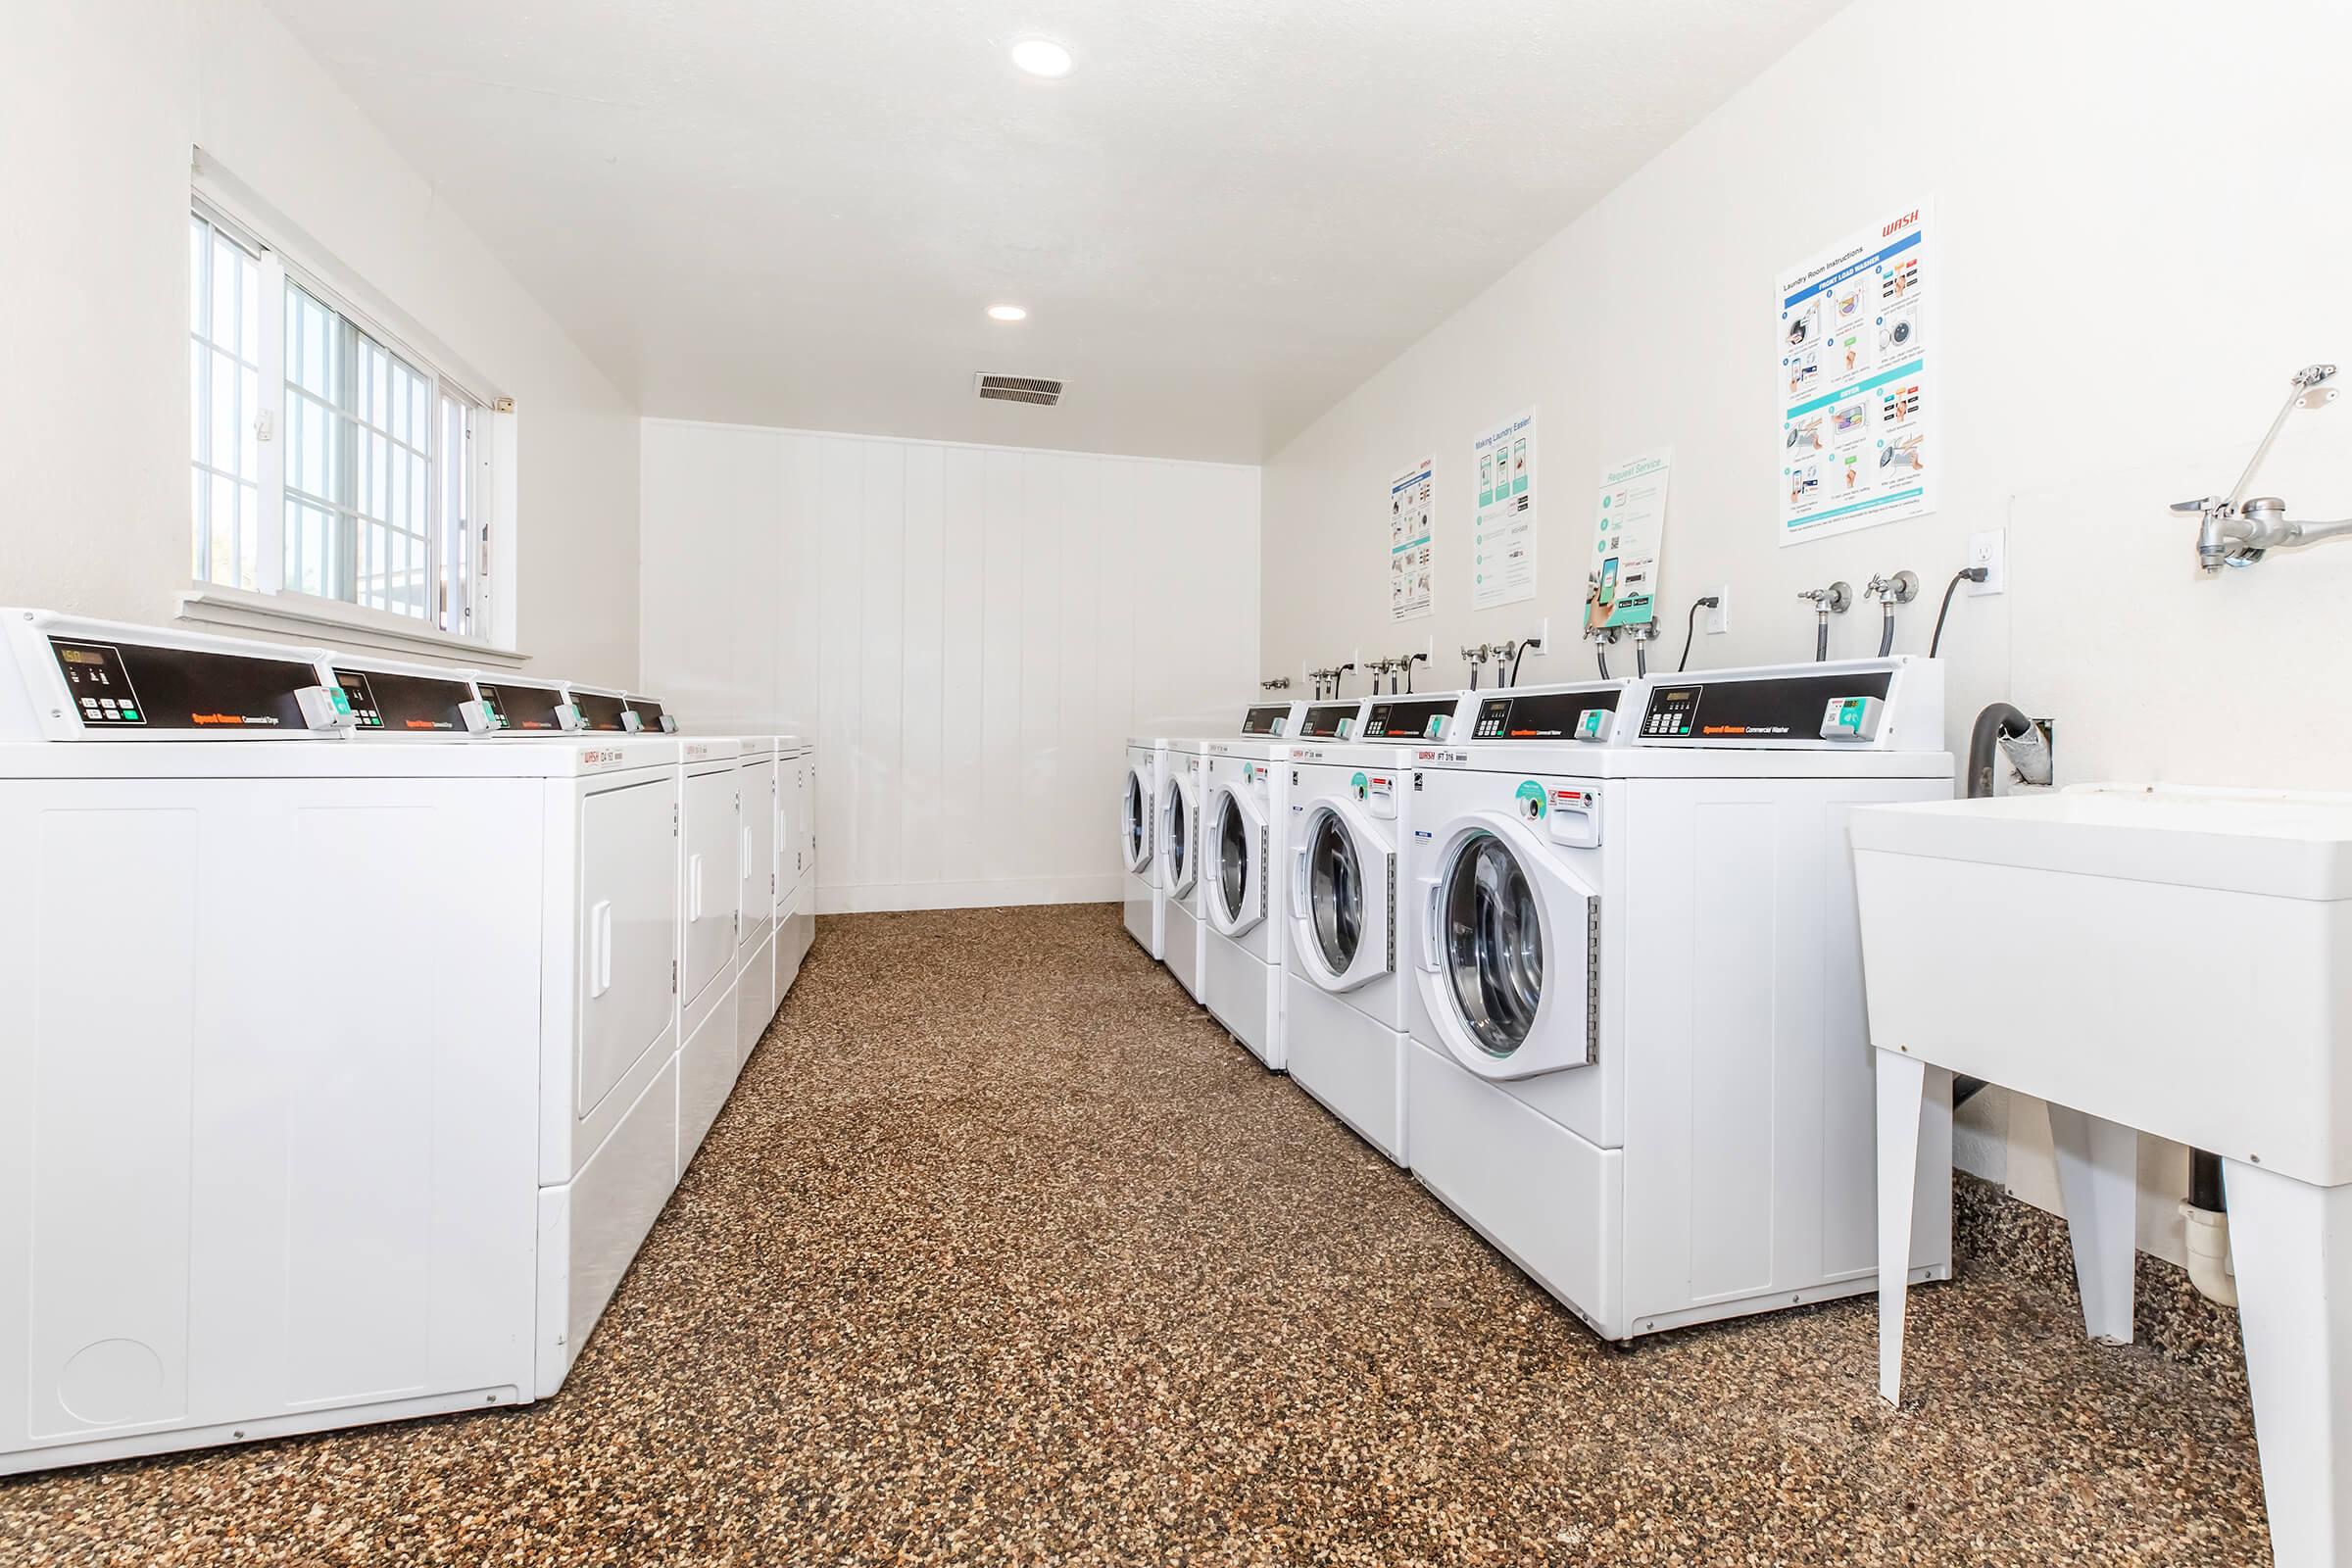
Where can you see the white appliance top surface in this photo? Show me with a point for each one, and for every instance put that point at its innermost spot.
(2280, 843)
(1596, 760)
(1259, 749)
(485, 757)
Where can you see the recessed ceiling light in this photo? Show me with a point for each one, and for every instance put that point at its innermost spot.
(1006, 313)
(1042, 57)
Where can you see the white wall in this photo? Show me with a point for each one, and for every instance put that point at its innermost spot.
(102, 103)
(2143, 233)
(969, 633)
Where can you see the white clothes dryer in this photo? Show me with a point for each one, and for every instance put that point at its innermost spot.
(1641, 1069)
(342, 1070)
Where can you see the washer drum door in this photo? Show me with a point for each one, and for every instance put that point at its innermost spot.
(1235, 899)
(1135, 830)
(1507, 951)
(1179, 836)
(1342, 896)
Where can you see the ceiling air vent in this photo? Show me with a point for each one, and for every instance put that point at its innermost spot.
(1018, 389)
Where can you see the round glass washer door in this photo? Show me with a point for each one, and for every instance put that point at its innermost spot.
(1233, 855)
(1176, 837)
(1335, 892)
(1137, 817)
(1493, 934)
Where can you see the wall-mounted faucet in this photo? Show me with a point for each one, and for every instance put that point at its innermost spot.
(1899, 589)
(1280, 683)
(1834, 600)
(2236, 531)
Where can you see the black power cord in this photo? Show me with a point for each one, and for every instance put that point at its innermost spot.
(1964, 574)
(1691, 628)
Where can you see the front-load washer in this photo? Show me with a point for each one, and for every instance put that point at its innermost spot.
(1245, 826)
(1344, 1008)
(1143, 896)
(336, 1074)
(1176, 837)
(1641, 1069)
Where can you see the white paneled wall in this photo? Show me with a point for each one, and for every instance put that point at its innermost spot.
(969, 633)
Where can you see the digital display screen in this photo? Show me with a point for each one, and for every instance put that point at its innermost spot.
(80, 656)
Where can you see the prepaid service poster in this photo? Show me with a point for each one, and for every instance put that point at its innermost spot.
(1621, 587)
(1857, 394)
(1411, 505)
(1502, 533)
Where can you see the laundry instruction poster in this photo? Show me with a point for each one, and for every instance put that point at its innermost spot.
(1857, 395)
(1621, 586)
(1503, 529)
(1411, 504)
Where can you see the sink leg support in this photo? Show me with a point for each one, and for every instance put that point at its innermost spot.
(1902, 1094)
(2098, 1180)
(2292, 1245)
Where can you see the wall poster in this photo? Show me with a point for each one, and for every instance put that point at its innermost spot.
(1621, 585)
(1411, 504)
(1857, 395)
(1502, 530)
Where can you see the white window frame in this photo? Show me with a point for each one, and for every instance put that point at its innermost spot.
(276, 606)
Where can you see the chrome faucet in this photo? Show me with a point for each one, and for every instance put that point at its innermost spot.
(2236, 531)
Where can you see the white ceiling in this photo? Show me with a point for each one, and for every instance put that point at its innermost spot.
(791, 212)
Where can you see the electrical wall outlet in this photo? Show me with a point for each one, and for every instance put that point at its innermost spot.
(1719, 614)
(1990, 549)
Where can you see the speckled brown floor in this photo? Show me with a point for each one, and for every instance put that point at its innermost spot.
(1003, 1253)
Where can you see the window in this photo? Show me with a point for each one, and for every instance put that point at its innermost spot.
(330, 461)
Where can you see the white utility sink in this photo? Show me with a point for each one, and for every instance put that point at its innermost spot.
(2180, 956)
(2155, 957)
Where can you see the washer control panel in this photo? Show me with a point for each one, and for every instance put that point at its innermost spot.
(1586, 713)
(1779, 708)
(1410, 720)
(1266, 720)
(1328, 721)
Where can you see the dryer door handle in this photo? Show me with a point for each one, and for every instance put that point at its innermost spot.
(1431, 959)
(694, 887)
(1298, 907)
(599, 949)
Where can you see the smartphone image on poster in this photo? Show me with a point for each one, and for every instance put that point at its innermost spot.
(1608, 583)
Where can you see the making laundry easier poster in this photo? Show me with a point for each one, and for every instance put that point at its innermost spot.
(1620, 584)
(1857, 394)
(1502, 530)
(1411, 505)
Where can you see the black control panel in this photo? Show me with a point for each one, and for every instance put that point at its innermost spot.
(1784, 707)
(647, 711)
(515, 705)
(1323, 721)
(1266, 720)
(1408, 718)
(409, 705)
(600, 713)
(140, 686)
(1540, 715)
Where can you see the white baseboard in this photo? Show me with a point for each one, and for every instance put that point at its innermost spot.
(871, 897)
